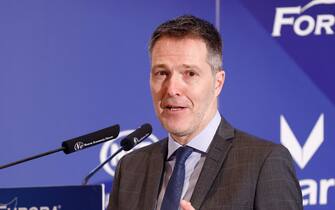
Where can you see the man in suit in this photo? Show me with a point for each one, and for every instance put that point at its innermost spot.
(204, 163)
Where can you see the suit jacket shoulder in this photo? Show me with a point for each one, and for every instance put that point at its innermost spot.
(242, 171)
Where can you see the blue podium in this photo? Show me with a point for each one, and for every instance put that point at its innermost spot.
(53, 198)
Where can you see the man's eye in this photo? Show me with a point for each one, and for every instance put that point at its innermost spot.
(161, 73)
(190, 73)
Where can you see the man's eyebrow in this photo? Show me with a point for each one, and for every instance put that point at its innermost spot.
(158, 66)
(195, 67)
(185, 66)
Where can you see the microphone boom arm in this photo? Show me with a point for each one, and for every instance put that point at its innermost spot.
(32, 157)
(87, 178)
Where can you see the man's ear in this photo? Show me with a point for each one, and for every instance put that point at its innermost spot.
(219, 81)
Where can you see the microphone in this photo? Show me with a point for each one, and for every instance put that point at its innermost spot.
(127, 143)
(136, 137)
(76, 144)
(91, 139)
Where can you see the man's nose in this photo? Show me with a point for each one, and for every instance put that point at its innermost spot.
(174, 86)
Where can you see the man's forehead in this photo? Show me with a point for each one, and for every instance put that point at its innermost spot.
(171, 53)
(178, 49)
(166, 42)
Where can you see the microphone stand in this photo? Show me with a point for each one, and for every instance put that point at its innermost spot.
(87, 178)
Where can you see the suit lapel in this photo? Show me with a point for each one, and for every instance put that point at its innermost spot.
(216, 155)
(155, 174)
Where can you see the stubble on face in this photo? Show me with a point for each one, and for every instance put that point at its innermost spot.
(183, 87)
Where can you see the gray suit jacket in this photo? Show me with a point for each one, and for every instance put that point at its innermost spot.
(241, 172)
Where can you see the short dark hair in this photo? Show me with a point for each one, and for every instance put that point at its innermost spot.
(188, 25)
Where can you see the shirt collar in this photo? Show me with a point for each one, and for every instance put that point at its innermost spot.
(200, 142)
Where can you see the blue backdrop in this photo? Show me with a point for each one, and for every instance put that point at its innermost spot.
(71, 67)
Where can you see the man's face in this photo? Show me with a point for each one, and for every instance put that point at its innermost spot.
(183, 87)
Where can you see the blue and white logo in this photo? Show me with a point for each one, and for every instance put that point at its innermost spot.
(302, 154)
(302, 24)
(314, 192)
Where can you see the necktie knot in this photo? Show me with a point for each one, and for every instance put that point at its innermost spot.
(182, 153)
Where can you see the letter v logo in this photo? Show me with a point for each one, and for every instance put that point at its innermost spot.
(302, 155)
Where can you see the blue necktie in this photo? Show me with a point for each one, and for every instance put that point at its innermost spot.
(174, 189)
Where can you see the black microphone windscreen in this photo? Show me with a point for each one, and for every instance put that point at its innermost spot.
(136, 137)
(91, 139)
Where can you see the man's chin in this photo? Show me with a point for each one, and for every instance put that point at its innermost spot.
(177, 126)
(177, 131)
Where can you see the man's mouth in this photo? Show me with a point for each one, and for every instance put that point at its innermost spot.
(174, 108)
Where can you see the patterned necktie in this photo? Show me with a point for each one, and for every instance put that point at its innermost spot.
(172, 196)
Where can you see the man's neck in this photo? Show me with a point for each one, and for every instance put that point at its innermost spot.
(185, 139)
